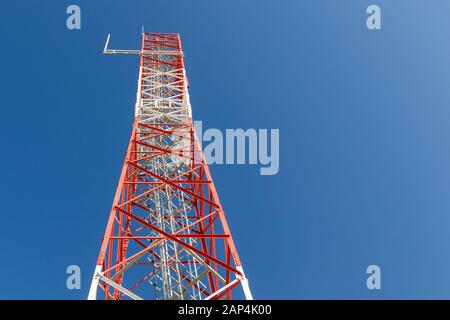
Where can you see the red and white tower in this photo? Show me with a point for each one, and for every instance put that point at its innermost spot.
(167, 235)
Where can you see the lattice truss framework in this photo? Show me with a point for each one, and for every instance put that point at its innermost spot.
(167, 236)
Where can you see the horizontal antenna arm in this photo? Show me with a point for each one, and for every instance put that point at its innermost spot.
(114, 51)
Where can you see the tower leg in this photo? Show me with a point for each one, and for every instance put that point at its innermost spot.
(94, 284)
(245, 286)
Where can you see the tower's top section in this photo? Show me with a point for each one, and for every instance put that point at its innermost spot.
(160, 43)
(162, 94)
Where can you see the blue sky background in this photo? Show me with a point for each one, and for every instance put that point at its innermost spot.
(364, 119)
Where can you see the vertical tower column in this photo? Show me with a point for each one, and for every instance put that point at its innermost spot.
(167, 236)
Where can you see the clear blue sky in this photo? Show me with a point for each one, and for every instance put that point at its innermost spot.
(364, 121)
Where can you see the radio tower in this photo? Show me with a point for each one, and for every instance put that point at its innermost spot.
(167, 235)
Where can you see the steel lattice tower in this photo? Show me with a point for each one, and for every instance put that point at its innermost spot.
(167, 236)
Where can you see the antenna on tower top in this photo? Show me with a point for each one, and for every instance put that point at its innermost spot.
(106, 44)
